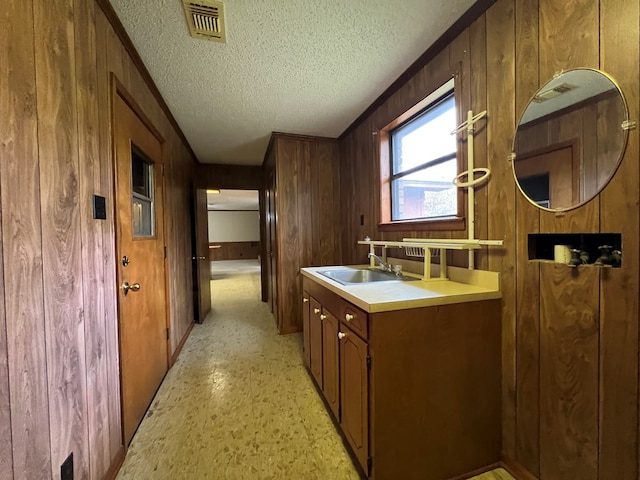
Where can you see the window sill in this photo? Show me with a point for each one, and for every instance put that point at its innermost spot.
(436, 225)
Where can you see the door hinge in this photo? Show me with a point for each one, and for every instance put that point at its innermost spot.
(368, 361)
(167, 334)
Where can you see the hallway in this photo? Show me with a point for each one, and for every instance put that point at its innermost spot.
(238, 404)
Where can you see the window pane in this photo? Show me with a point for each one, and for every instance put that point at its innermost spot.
(142, 215)
(426, 193)
(142, 204)
(425, 138)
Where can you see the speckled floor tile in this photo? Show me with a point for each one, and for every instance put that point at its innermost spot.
(238, 404)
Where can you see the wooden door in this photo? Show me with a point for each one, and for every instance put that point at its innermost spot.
(354, 394)
(201, 255)
(315, 340)
(143, 328)
(330, 385)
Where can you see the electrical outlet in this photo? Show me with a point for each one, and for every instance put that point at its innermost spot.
(66, 469)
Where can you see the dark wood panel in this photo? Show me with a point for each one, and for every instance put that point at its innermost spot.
(113, 424)
(330, 366)
(6, 444)
(234, 250)
(527, 273)
(229, 176)
(501, 191)
(93, 292)
(569, 325)
(61, 256)
(308, 232)
(288, 236)
(618, 392)
(478, 69)
(26, 443)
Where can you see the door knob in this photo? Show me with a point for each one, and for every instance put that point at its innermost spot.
(348, 317)
(322, 317)
(316, 311)
(134, 287)
(341, 335)
(305, 299)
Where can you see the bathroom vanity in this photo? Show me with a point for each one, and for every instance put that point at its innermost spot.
(409, 370)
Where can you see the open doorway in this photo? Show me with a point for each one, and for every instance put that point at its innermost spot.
(234, 232)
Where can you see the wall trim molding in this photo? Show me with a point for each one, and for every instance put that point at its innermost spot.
(116, 464)
(178, 349)
(515, 469)
(471, 15)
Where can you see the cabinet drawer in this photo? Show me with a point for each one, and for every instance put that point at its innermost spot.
(355, 319)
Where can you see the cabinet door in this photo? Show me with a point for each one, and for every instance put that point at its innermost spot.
(330, 385)
(315, 340)
(306, 347)
(354, 392)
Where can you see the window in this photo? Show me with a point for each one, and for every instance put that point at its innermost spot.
(421, 162)
(142, 185)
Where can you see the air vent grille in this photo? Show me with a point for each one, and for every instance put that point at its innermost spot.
(205, 19)
(553, 92)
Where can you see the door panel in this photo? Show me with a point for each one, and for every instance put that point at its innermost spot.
(140, 238)
(201, 261)
(330, 361)
(315, 340)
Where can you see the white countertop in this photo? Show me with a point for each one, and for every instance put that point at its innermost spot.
(375, 297)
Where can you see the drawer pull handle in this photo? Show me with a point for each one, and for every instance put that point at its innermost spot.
(305, 299)
(322, 317)
(348, 317)
(341, 335)
(316, 311)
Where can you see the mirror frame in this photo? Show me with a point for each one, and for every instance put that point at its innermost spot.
(623, 147)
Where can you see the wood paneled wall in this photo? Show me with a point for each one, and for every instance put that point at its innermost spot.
(307, 216)
(59, 377)
(234, 250)
(570, 336)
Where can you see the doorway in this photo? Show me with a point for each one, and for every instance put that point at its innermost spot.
(234, 232)
(141, 270)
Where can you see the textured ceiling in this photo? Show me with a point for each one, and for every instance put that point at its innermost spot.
(297, 66)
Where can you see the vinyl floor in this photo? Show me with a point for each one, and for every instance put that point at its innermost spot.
(238, 404)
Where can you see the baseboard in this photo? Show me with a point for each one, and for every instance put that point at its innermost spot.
(175, 354)
(115, 465)
(516, 470)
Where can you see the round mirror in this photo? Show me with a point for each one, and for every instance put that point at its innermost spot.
(570, 139)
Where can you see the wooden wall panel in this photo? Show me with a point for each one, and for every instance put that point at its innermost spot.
(59, 373)
(28, 451)
(527, 273)
(234, 251)
(112, 354)
(569, 38)
(618, 393)
(478, 67)
(287, 173)
(569, 372)
(501, 191)
(61, 256)
(93, 293)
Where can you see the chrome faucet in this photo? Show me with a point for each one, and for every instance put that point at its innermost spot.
(383, 265)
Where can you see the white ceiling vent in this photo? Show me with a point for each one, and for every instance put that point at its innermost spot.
(205, 19)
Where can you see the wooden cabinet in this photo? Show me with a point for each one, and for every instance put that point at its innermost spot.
(306, 325)
(303, 218)
(354, 393)
(419, 389)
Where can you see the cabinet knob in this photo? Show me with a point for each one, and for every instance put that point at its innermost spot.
(322, 317)
(348, 317)
(305, 299)
(316, 311)
(341, 335)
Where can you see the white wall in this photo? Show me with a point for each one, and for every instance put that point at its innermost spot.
(234, 226)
